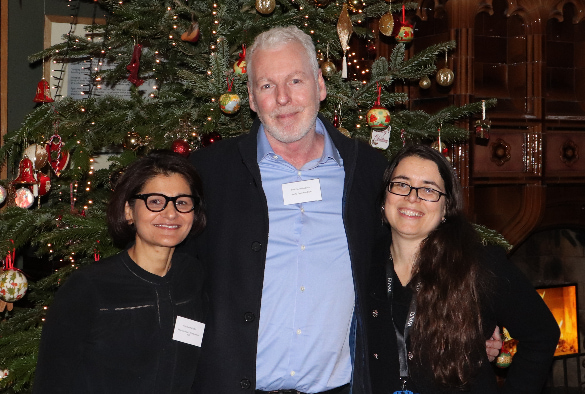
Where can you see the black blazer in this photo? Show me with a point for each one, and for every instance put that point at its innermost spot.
(234, 248)
(512, 302)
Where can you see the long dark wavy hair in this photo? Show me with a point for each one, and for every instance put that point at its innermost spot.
(447, 335)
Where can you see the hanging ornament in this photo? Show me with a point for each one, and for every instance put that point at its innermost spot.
(44, 182)
(265, 6)
(209, 138)
(425, 82)
(58, 157)
(441, 146)
(386, 24)
(24, 198)
(134, 66)
(328, 68)
(406, 32)
(504, 359)
(229, 102)
(25, 173)
(482, 128)
(240, 64)
(13, 283)
(193, 34)
(344, 31)
(38, 155)
(132, 140)
(3, 194)
(3, 373)
(445, 76)
(378, 117)
(43, 92)
(181, 147)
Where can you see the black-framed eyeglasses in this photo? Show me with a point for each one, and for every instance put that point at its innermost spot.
(156, 202)
(423, 192)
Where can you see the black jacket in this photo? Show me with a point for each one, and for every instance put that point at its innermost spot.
(111, 325)
(233, 246)
(512, 302)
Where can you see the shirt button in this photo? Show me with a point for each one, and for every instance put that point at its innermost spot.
(303, 209)
(302, 288)
(376, 356)
(298, 173)
(299, 331)
(275, 157)
(292, 373)
(249, 316)
(302, 247)
(256, 246)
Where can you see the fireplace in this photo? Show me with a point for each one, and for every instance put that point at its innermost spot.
(562, 302)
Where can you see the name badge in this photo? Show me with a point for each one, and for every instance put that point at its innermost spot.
(302, 191)
(188, 331)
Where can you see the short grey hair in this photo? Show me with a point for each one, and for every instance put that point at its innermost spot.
(280, 36)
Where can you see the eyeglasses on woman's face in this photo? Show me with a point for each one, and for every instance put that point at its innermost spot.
(423, 192)
(156, 202)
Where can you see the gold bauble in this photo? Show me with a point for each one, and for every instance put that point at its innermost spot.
(425, 82)
(386, 24)
(328, 68)
(445, 77)
(265, 6)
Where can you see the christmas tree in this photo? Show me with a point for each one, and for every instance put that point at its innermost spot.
(191, 55)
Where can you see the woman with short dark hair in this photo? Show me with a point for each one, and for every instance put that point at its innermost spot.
(437, 293)
(133, 323)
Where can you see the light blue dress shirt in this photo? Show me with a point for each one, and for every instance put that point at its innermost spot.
(308, 294)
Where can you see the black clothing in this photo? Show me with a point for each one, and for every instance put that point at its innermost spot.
(512, 303)
(233, 247)
(111, 325)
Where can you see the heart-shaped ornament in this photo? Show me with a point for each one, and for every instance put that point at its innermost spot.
(58, 158)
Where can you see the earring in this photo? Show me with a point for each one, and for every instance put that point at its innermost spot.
(443, 220)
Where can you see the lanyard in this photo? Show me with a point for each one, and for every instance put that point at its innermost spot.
(403, 354)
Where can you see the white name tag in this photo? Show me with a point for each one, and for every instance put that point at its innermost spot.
(302, 191)
(188, 331)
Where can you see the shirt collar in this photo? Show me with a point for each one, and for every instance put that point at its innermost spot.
(329, 150)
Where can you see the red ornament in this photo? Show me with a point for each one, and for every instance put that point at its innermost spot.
(58, 158)
(181, 147)
(43, 93)
(405, 32)
(240, 64)
(25, 173)
(44, 183)
(134, 66)
(209, 138)
(336, 122)
(378, 117)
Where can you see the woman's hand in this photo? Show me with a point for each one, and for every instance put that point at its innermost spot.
(494, 344)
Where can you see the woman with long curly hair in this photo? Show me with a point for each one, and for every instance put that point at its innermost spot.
(437, 293)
